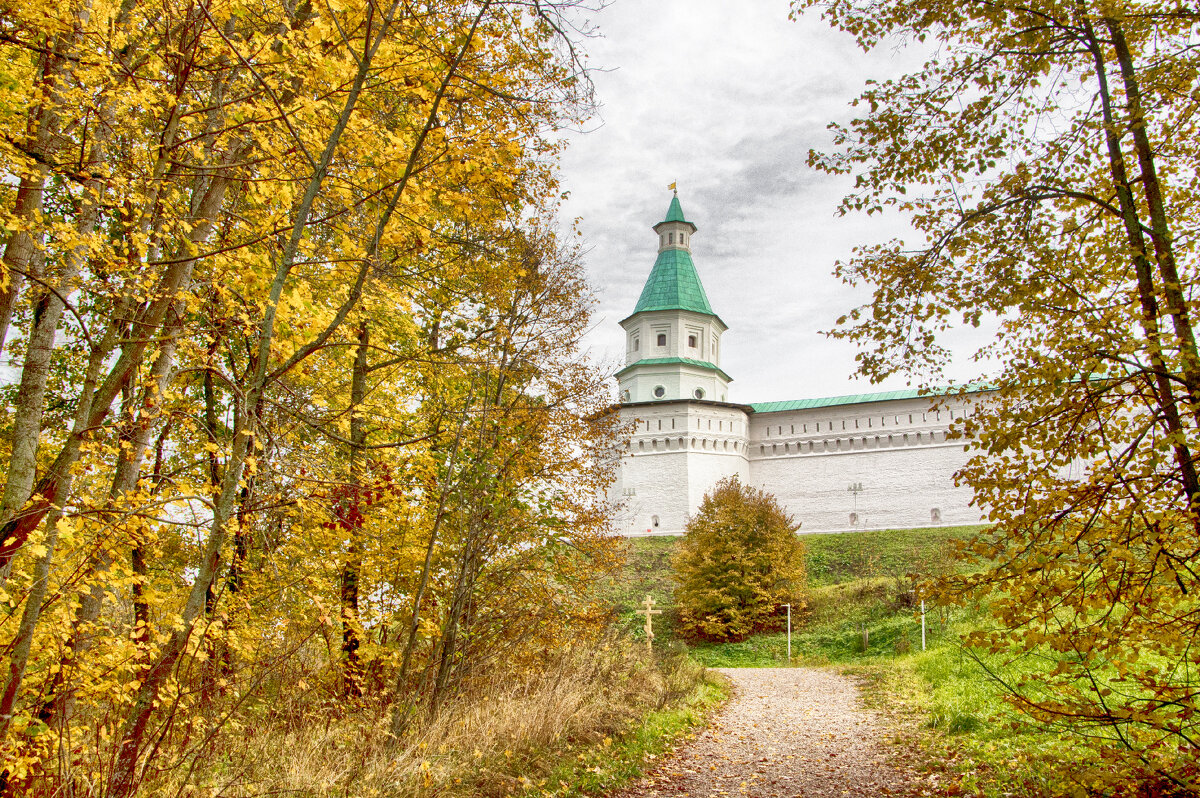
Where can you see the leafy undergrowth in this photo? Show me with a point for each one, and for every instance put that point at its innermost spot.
(590, 720)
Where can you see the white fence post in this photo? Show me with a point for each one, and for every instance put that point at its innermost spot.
(789, 632)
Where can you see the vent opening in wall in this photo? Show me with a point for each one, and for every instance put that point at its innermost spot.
(699, 394)
(853, 519)
(935, 515)
(654, 521)
(659, 392)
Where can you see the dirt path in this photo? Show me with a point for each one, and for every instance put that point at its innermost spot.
(786, 732)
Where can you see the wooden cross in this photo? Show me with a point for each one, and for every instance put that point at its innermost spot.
(648, 612)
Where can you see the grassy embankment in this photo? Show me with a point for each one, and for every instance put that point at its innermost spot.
(951, 719)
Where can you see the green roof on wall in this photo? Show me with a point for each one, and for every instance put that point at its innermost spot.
(859, 398)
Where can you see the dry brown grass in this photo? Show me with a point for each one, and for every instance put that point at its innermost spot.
(491, 741)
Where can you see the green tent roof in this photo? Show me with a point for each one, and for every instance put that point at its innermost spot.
(674, 285)
(675, 212)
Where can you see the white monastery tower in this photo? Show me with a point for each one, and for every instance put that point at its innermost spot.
(673, 338)
(840, 463)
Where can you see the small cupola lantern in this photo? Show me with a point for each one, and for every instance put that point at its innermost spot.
(675, 232)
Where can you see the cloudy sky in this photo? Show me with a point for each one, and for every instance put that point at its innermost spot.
(726, 97)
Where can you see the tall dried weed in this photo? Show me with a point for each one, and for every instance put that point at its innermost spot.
(492, 739)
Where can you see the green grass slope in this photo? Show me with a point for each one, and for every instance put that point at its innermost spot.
(857, 580)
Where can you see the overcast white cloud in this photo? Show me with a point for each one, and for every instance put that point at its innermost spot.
(726, 98)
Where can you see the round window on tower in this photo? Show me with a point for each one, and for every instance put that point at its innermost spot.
(659, 392)
(698, 393)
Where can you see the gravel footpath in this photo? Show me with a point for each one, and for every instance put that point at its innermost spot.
(785, 732)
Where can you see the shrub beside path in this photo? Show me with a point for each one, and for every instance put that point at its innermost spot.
(785, 733)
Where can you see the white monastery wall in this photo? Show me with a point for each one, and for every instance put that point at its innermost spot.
(677, 452)
(653, 490)
(901, 488)
(895, 452)
(873, 465)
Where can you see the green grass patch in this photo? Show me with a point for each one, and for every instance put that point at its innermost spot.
(647, 572)
(848, 556)
(952, 723)
(615, 762)
(758, 651)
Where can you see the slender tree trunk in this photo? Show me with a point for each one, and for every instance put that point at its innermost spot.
(57, 707)
(1147, 295)
(401, 711)
(21, 253)
(464, 586)
(30, 402)
(352, 520)
(27, 421)
(21, 249)
(97, 404)
(1164, 251)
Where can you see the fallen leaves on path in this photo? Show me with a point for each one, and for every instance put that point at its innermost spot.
(785, 733)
